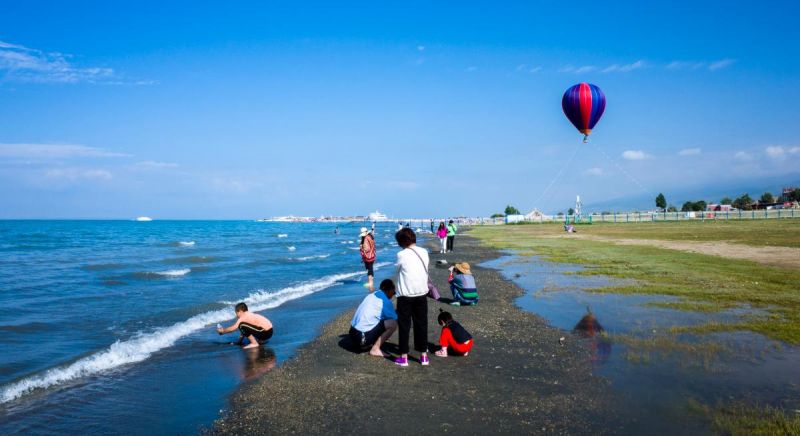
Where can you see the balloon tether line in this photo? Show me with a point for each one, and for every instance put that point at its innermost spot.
(633, 179)
(558, 175)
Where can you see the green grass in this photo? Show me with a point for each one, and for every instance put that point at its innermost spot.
(742, 419)
(758, 233)
(701, 282)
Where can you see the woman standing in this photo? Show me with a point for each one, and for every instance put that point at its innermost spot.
(451, 235)
(368, 256)
(441, 232)
(412, 300)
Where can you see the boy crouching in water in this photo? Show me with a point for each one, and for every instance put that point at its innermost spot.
(454, 337)
(251, 325)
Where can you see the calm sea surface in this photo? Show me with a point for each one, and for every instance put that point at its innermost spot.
(108, 326)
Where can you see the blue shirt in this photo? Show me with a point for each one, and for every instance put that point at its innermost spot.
(375, 308)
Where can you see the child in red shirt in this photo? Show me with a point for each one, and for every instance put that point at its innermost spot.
(454, 337)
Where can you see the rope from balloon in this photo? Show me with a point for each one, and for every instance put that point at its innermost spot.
(558, 175)
(633, 179)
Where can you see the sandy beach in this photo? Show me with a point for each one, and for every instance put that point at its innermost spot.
(518, 379)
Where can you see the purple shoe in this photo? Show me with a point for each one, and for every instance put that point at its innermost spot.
(401, 361)
(424, 360)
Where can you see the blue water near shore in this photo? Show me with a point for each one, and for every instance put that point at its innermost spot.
(657, 374)
(108, 326)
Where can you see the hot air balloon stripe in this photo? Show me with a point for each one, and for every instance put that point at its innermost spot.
(583, 104)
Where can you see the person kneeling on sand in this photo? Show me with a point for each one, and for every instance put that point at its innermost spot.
(251, 325)
(454, 337)
(462, 285)
(375, 320)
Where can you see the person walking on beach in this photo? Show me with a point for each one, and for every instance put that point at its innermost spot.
(451, 235)
(375, 320)
(412, 300)
(462, 285)
(251, 325)
(368, 256)
(441, 232)
(454, 337)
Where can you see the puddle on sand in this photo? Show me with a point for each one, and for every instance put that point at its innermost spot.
(656, 373)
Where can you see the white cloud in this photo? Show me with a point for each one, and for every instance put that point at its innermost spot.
(634, 155)
(154, 165)
(595, 171)
(696, 65)
(779, 152)
(718, 65)
(577, 70)
(522, 68)
(20, 63)
(689, 152)
(420, 48)
(742, 155)
(617, 68)
(54, 151)
(74, 174)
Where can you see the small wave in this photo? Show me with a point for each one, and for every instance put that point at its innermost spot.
(283, 235)
(291, 248)
(142, 345)
(161, 274)
(305, 258)
(189, 259)
(186, 243)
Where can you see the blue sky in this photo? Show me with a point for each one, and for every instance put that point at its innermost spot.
(213, 110)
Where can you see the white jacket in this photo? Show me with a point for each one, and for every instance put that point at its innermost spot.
(412, 276)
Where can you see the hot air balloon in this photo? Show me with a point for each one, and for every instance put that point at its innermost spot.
(584, 104)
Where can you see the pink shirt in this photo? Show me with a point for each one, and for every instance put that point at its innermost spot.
(442, 233)
(254, 319)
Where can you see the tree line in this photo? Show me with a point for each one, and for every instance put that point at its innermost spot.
(743, 202)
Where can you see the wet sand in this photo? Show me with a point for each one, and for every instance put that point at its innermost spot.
(517, 379)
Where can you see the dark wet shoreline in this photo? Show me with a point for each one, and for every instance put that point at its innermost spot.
(517, 379)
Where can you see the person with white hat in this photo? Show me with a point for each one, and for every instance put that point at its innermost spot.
(368, 256)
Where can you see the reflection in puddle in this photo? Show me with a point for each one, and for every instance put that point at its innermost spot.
(257, 362)
(589, 327)
(655, 371)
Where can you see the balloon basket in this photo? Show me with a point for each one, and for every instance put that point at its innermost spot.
(585, 139)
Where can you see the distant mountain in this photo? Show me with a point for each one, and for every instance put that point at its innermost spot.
(710, 194)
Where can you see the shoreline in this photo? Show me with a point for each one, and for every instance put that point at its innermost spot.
(517, 378)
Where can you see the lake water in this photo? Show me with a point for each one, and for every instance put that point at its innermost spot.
(655, 373)
(109, 326)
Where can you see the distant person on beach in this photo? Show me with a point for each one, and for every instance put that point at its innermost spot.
(451, 235)
(569, 228)
(431, 225)
(441, 232)
(462, 285)
(251, 325)
(375, 320)
(412, 300)
(454, 339)
(368, 256)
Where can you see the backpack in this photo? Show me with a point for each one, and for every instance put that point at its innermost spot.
(368, 254)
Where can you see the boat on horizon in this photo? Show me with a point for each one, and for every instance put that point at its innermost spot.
(377, 216)
(143, 218)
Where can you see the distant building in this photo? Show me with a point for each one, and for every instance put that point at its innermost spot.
(719, 208)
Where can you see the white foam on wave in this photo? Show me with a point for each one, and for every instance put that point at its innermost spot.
(283, 235)
(291, 248)
(174, 272)
(318, 256)
(142, 345)
(186, 243)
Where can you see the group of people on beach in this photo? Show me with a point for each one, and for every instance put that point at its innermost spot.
(376, 319)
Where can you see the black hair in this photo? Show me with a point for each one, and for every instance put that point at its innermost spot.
(444, 317)
(405, 237)
(441, 225)
(241, 307)
(451, 222)
(387, 285)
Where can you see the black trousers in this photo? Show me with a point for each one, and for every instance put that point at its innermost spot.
(413, 310)
(450, 243)
(249, 329)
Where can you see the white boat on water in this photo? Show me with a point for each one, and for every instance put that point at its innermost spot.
(377, 216)
(143, 218)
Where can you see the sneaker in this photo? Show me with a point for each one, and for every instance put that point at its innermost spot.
(401, 361)
(424, 360)
(455, 303)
